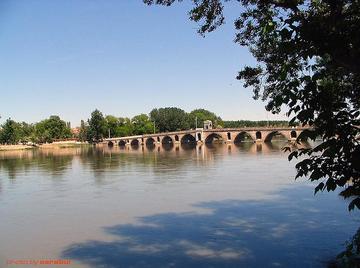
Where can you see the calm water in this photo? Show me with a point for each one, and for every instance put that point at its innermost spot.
(220, 206)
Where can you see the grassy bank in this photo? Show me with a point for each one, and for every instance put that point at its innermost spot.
(15, 147)
(63, 144)
(54, 145)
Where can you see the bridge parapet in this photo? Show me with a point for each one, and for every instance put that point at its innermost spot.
(170, 133)
(254, 129)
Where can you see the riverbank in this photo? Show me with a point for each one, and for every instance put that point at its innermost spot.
(15, 147)
(62, 144)
(54, 145)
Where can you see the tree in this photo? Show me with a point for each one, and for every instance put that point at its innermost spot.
(51, 129)
(169, 119)
(41, 133)
(58, 129)
(26, 132)
(14, 132)
(10, 133)
(142, 124)
(83, 132)
(307, 53)
(112, 123)
(201, 115)
(97, 126)
(125, 127)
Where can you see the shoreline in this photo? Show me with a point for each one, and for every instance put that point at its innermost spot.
(54, 145)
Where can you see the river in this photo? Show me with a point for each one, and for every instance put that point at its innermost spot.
(208, 206)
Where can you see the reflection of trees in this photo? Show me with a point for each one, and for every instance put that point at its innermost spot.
(102, 159)
(52, 161)
(160, 159)
(54, 164)
(99, 161)
(14, 165)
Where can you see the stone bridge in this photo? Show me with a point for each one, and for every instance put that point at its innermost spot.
(222, 135)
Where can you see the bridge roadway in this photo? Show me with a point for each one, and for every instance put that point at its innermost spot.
(200, 135)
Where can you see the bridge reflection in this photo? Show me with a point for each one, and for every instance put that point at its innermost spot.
(57, 162)
(248, 147)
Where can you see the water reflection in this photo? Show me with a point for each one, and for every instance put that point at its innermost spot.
(54, 162)
(101, 158)
(220, 205)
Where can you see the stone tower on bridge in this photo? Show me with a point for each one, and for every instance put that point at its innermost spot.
(208, 124)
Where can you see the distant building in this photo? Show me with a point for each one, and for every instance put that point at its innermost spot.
(75, 131)
(208, 124)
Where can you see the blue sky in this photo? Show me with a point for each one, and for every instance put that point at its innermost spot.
(68, 57)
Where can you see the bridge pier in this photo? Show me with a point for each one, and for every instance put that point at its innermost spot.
(176, 139)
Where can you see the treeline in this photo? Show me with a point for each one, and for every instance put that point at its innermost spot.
(248, 123)
(47, 130)
(100, 126)
(159, 120)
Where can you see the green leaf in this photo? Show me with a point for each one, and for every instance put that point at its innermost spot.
(354, 203)
(320, 187)
(292, 155)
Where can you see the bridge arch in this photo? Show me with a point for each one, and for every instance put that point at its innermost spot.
(122, 143)
(293, 134)
(110, 144)
(167, 140)
(150, 141)
(176, 137)
(269, 137)
(243, 137)
(214, 138)
(188, 139)
(135, 142)
(258, 135)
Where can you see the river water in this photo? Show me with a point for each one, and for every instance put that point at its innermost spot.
(217, 206)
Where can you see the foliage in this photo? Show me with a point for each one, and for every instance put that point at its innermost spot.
(51, 129)
(97, 126)
(26, 132)
(165, 119)
(307, 53)
(10, 132)
(142, 124)
(84, 131)
(201, 115)
(44, 131)
(170, 119)
(112, 123)
(350, 256)
(125, 127)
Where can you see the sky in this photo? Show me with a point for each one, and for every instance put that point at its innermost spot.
(67, 58)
